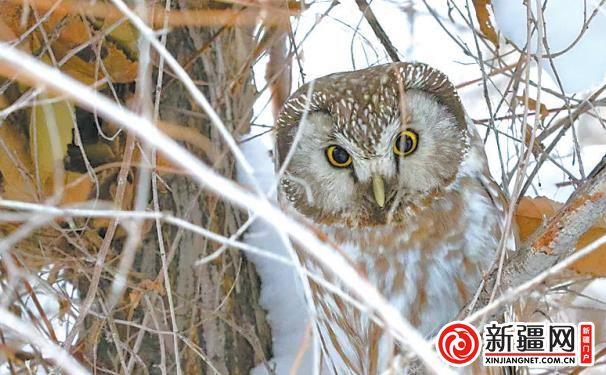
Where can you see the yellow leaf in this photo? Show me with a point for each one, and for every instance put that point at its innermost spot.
(532, 212)
(50, 132)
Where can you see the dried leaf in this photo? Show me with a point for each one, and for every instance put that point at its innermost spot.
(70, 29)
(125, 37)
(3, 102)
(153, 285)
(592, 264)
(532, 212)
(50, 132)
(6, 32)
(82, 71)
(537, 147)
(15, 165)
(120, 50)
(121, 67)
(99, 153)
(77, 188)
(64, 308)
(11, 20)
(483, 17)
(134, 298)
(532, 105)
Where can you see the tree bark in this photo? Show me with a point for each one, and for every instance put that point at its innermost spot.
(552, 242)
(217, 304)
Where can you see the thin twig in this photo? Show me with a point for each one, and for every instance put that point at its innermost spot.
(378, 30)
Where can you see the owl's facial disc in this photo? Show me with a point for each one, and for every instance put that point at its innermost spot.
(362, 174)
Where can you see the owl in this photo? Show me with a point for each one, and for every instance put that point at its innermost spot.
(388, 165)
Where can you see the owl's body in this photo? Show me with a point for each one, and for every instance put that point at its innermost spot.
(386, 163)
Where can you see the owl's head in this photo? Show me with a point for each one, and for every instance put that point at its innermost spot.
(362, 147)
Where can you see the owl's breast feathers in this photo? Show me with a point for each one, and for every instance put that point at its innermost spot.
(428, 265)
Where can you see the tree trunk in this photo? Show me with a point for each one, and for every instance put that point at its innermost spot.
(216, 305)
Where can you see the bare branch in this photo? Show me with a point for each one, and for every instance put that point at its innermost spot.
(554, 240)
(370, 17)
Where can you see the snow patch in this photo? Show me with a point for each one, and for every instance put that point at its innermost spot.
(281, 290)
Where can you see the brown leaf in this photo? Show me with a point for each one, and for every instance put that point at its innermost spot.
(15, 165)
(77, 188)
(537, 147)
(483, 17)
(120, 50)
(120, 67)
(532, 212)
(154, 285)
(81, 70)
(6, 32)
(532, 105)
(64, 307)
(11, 21)
(117, 50)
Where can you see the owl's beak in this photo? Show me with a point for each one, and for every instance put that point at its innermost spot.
(378, 190)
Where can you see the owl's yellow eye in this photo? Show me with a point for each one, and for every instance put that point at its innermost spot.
(338, 157)
(405, 143)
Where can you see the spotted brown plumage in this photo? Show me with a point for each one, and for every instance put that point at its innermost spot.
(422, 226)
(365, 97)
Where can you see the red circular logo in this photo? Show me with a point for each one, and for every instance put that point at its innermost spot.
(458, 343)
